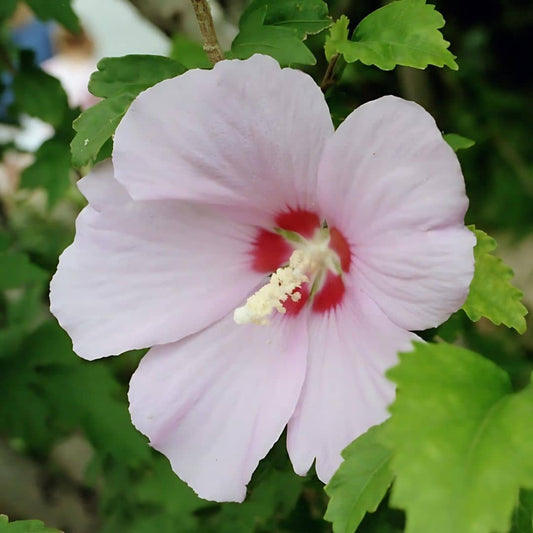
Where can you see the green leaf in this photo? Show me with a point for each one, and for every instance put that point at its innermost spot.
(17, 270)
(338, 33)
(405, 32)
(95, 126)
(119, 80)
(462, 441)
(523, 514)
(105, 152)
(458, 142)
(38, 94)
(58, 10)
(24, 526)
(491, 294)
(189, 53)
(131, 74)
(304, 16)
(360, 483)
(282, 42)
(50, 170)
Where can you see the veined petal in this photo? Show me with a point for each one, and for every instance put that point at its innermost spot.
(245, 133)
(140, 274)
(215, 402)
(399, 198)
(418, 280)
(345, 390)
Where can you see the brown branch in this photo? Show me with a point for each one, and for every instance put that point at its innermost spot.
(207, 28)
(178, 16)
(329, 77)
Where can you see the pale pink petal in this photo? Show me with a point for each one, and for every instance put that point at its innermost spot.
(245, 133)
(345, 391)
(146, 273)
(215, 402)
(101, 190)
(399, 199)
(418, 280)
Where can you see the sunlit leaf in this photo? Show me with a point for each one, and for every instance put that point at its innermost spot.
(338, 33)
(462, 441)
(491, 294)
(24, 526)
(458, 142)
(360, 483)
(404, 32)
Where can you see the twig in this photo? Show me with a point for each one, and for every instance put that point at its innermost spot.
(329, 78)
(207, 28)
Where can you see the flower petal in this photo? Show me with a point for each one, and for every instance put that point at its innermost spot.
(215, 402)
(418, 280)
(399, 198)
(145, 273)
(246, 132)
(345, 391)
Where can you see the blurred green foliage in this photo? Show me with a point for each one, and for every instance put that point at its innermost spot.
(48, 394)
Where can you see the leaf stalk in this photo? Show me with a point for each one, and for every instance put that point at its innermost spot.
(329, 77)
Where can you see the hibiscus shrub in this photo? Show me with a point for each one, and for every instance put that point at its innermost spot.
(316, 340)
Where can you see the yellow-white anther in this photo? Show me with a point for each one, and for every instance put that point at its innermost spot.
(272, 296)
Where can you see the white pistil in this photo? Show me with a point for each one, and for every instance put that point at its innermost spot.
(272, 296)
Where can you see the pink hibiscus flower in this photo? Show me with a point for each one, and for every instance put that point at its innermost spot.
(275, 265)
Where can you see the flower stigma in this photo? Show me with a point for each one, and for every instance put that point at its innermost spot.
(308, 263)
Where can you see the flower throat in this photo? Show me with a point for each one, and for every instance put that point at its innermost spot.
(311, 261)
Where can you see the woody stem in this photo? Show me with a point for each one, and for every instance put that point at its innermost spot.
(207, 28)
(329, 76)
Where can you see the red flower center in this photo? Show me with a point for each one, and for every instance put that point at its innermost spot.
(302, 229)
